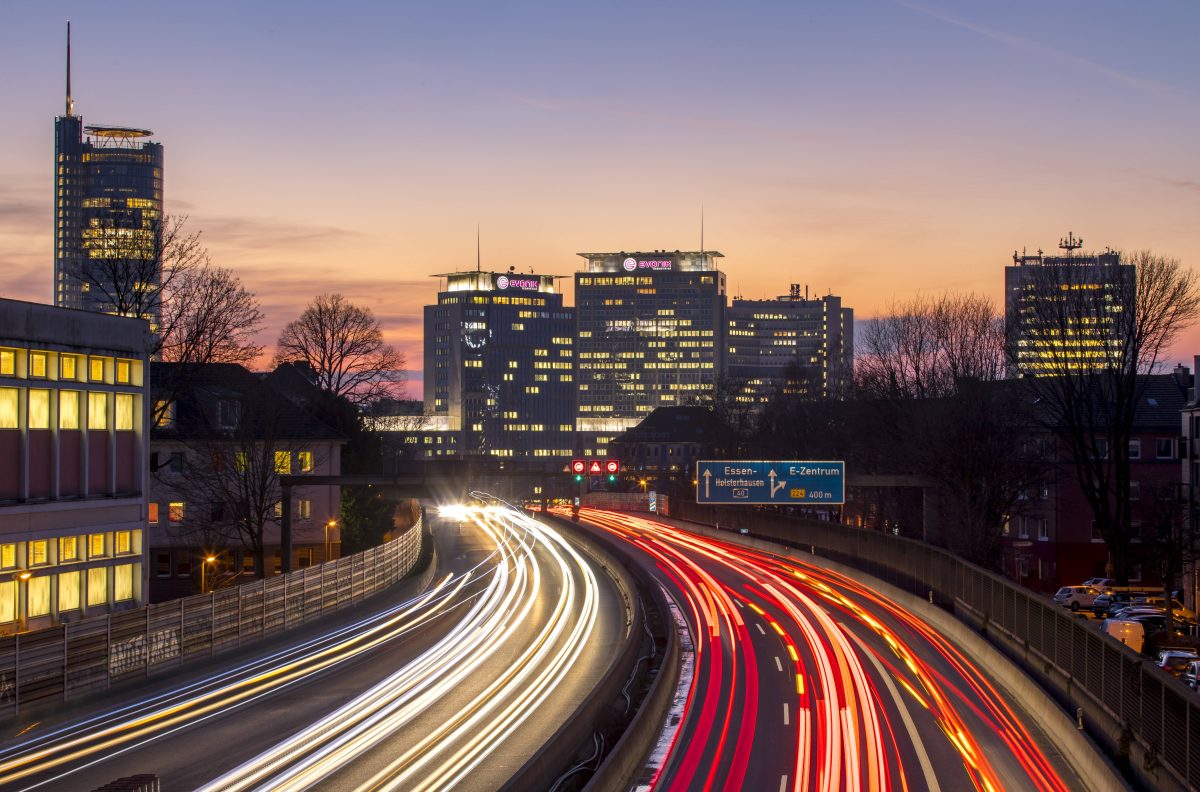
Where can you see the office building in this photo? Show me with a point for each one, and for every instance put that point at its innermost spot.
(73, 456)
(499, 367)
(650, 334)
(108, 210)
(1066, 313)
(792, 345)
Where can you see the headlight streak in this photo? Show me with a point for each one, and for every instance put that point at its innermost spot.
(855, 745)
(478, 728)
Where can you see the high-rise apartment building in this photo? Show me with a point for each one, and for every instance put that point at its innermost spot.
(1066, 313)
(108, 209)
(791, 345)
(500, 366)
(650, 329)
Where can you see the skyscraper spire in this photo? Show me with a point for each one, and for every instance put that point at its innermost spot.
(478, 260)
(70, 104)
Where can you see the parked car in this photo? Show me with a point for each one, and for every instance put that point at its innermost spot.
(1175, 661)
(1101, 583)
(1118, 606)
(1191, 674)
(1102, 603)
(1130, 633)
(1177, 608)
(1076, 597)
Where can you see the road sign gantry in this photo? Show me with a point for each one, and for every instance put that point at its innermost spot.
(771, 482)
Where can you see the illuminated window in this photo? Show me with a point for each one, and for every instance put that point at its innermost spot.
(39, 553)
(122, 582)
(305, 458)
(123, 372)
(66, 367)
(8, 408)
(124, 412)
(239, 461)
(153, 517)
(164, 414)
(37, 596)
(8, 363)
(283, 462)
(97, 586)
(8, 556)
(96, 369)
(97, 411)
(68, 409)
(39, 409)
(96, 545)
(278, 510)
(8, 601)
(68, 591)
(175, 513)
(304, 508)
(68, 549)
(124, 541)
(37, 364)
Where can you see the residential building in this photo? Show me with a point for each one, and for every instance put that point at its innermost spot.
(659, 454)
(108, 211)
(650, 335)
(1066, 313)
(1189, 459)
(792, 345)
(499, 368)
(222, 437)
(72, 464)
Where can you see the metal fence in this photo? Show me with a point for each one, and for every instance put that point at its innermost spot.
(71, 660)
(1149, 706)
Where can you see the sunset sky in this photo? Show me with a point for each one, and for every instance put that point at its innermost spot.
(875, 149)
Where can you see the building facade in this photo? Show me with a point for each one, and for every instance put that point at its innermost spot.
(650, 334)
(499, 368)
(221, 438)
(791, 345)
(1066, 313)
(108, 211)
(73, 474)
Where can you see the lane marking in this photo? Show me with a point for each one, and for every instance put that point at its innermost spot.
(786, 719)
(778, 664)
(760, 629)
(782, 783)
(931, 782)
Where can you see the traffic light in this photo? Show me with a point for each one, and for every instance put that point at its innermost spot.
(612, 477)
(578, 477)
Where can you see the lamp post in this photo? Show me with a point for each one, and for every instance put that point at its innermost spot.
(643, 483)
(330, 523)
(203, 570)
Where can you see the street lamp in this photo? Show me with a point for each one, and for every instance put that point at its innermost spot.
(203, 569)
(330, 523)
(643, 483)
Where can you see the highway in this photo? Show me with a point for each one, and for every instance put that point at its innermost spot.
(805, 679)
(438, 691)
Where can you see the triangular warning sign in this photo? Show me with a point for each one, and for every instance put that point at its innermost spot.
(595, 467)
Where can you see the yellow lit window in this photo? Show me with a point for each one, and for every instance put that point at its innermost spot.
(39, 553)
(239, 461)
(8, 556)
(66, 367)
(68, 409)
(68, 549)
(175, 513)
(8, 408)
(122, 582)
(122, 372)
(283, 462)
(97, 411)
(164, 414)
(124, 412)
(278, 510)
(37, 364)
(306, 461)
(124, 540)
(304, 509)
(39, 409)
(153, 515)
(8, 363)
(97, 586)
(8, 601)
(37, 596)
(96, 545)
(96, 369)
(68, 591)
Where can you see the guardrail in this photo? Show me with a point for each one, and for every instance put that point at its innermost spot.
(70, 660)
(1148, 721)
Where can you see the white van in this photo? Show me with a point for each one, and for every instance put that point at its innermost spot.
(1130, 633)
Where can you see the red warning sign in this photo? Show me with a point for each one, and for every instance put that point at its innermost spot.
(594, 467)
(612, 466)
(578, 466)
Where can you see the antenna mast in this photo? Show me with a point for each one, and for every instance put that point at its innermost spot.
(702, 229)
(478, 260)
(1069, 243)
(70, 104)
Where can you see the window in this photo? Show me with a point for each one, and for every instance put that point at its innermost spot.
(8, 408)
(283, 462)
(1023, 527)
(8, 601)
(304, 509)
(1135, 449)
(1101, 445)
(8, 363)
(305, 460)
(39, 553)
(8, 556)
(239, 461)
(37, 364)
(68, 591)
(68, 549)
(175, 513)
(122, 582)
(1043, 528)
(97, 586)
(96, 545)
(66, 367)
(162, 564)
(153, 518)
(175, 463)
(278, 510)
(123, 372)
(1135, 490)
(97, 411)
(164, 414)
(68, 409)
(1164, 448)
(124, 412)
(39, 409)
(228, 413)
(124, 541)
(37, 596)
(96, 369)
(183, 566)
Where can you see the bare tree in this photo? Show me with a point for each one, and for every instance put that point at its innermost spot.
(209, 317)
(1172, 538)
(1097, 346)
(343, 345)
